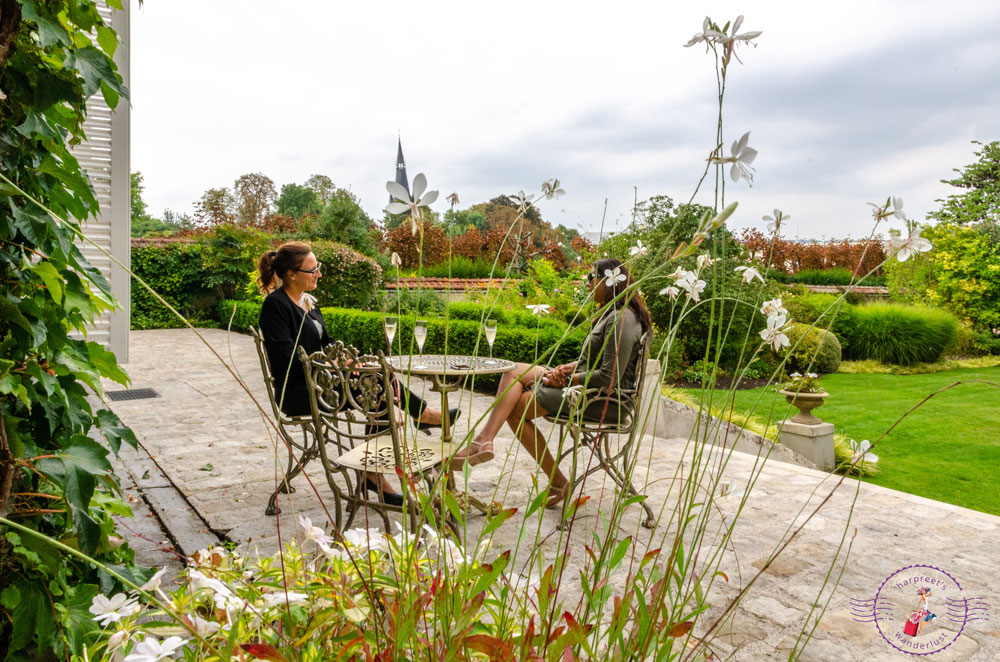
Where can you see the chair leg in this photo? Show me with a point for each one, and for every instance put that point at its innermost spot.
(292, 470)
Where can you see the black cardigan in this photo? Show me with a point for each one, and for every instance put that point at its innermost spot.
(280, 321)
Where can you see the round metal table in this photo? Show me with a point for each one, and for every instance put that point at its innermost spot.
(447, 372)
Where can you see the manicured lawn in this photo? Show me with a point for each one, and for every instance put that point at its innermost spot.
(948, 449)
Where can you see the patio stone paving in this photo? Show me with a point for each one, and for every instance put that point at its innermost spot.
(208, 439)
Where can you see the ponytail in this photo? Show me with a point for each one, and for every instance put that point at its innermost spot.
(273, 266)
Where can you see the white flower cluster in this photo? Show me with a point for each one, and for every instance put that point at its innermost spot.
(777, 318)
(913, 243)
(687, 281)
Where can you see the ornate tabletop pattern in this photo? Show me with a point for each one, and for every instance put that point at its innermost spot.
(451, 365)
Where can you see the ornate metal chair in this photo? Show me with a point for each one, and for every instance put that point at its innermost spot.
(622, 418)
(299, 452)
(354, 413)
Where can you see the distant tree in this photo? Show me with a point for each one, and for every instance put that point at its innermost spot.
(344, 221)
(981, 199)
(136, 203)
(255, 195)
(322, 186)
(216, 206)
(298, 201)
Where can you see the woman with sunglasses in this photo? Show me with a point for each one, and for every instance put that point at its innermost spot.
(289, 319)
(608, 359)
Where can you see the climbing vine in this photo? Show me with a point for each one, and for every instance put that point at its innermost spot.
(55, 477)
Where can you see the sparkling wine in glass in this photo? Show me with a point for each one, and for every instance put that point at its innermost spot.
(391, 323)
(490, 328)
(420, 333)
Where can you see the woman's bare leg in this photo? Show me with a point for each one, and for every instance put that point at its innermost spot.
(513, 384)
(520, 421)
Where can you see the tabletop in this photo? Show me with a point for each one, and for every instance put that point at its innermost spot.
(451, 365)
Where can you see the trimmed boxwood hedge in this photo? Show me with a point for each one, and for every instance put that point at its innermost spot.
(363, 330)
(812, 349)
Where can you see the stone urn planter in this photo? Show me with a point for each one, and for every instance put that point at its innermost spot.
(805, 402)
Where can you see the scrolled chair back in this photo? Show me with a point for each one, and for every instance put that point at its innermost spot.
(350, 393)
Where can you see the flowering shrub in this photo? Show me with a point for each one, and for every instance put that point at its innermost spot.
(808, 383)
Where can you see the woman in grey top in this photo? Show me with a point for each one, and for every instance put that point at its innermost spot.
(608, 359)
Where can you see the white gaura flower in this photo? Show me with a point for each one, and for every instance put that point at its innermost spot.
(677, 274)
(151, 649)
(705, 260)
(307, 301)
(741, 155)
(366, 540)
(691, 284)
(203, 628)
(153, 582)
(708, 34)
(734, 36)
(614, 276)
(860, 451)
(314, 533)
(200, 581)
(671, 292)
(396, 260)
(905, 248)
(638, 250)
(410, 203)
(773, 334)
(280, 597)
(897, 209)
(332, 552)
(749, 273)
(523, 201)
(539, 308)
(111, 610)
(774, 222)
(880, 212)
(773, 307)
(551, 189)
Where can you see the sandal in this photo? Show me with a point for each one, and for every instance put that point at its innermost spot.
(557, 493)
(477, 453)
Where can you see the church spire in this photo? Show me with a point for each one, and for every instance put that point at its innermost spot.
(401, 178)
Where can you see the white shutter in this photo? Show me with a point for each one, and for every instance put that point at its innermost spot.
(105, 157)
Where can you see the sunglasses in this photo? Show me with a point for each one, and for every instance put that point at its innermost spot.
(590, 277)
(319, 265)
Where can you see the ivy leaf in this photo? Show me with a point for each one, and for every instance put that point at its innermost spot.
(93, 66)
(50, 31)
(78, 618)
(106, 362)
(107, 40)
(30, 615)
(35, 124)
(32, 227)
(110, 96)
(114, 430)
(53, 281)
(87, 455)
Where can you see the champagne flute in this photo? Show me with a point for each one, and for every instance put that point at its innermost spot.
(420, 333)
(391, 324)
(490, 328)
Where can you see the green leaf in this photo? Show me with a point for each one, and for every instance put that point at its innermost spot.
(78, 619)
(94, 67)
(107, 40)
(50, 31)
(31, 618)
(114, 430)
(35, 124)
(106, 362)
(53, 281)
(110, 96)
(498, 520)
(87, 455)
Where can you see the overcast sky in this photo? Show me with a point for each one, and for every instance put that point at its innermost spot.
(847, 102)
